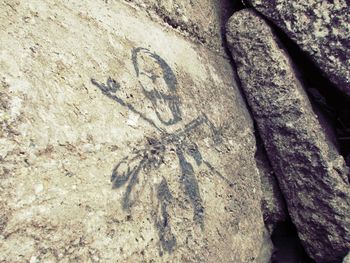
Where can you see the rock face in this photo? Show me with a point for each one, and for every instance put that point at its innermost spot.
(274, 210)
(112, 146)
(311, 173)
(199, 20)
(320, 28)
(347, 258)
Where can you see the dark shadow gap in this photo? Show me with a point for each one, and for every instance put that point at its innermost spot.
(288, 248)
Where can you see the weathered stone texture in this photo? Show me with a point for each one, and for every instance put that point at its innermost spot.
(200, 20)
(94, 91)
(320, 28)
(311, 173)
(347, 258)
(274, 210)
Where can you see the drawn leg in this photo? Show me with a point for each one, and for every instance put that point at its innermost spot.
(128, 170)
(191, 186)
(166, 237)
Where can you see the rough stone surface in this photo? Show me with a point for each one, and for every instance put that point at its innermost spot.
(273, 207)
(347, 258)
(311, 173)
(94, 92)
(200, 20)
(320, 28)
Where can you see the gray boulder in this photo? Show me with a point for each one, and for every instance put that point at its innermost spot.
(311, 173)
(273, 206)
(320, 28)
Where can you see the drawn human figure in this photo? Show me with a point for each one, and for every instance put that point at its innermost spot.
(158, 83)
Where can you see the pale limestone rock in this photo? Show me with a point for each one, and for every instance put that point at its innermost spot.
(94, 91)
(200, 20)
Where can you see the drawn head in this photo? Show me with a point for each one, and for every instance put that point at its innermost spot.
(158, 83)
